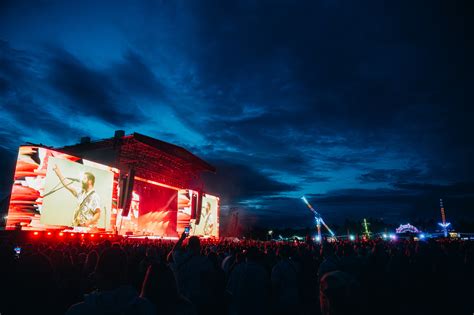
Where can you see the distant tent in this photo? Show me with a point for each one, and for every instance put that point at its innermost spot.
(406, 228)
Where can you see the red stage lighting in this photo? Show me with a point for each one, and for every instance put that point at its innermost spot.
(110, 236)
(92, 235)
(72, 234)
(49, 233)
(35, 233)
(101, 235)
(82, 235)
(61, 233)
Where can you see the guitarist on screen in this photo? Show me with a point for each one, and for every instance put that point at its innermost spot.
(87, 213)
(208, 220)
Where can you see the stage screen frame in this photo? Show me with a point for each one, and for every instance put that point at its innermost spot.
(209, 223)
(32, 172)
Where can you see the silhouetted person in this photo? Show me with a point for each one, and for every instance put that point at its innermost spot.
(249, 286)
(37, 282)
(7, 274)
(192, 271)
(285, 283)
(338, 294)
(113, 296)
(159, 287)
(87, 271)
(330, 261)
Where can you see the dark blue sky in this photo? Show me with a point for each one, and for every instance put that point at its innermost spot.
(363, 106)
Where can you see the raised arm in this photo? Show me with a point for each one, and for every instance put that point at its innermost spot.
(63, 180)
(177, 247)
(179, 243)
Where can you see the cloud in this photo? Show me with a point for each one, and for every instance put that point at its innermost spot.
(136, 78)
(53, 90)
(391, 175)
(25, 103)
(237, 183)
(455, 189)
(90, 91)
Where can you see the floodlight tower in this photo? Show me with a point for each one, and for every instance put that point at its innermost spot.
(318, 218)
(365, 224)
(443, 223)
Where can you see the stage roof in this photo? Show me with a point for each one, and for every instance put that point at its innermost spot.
(151, 158)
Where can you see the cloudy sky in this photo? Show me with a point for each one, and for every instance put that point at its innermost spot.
(360, 105)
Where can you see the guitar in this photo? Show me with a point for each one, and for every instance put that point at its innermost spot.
(79, 218)
(208, 227)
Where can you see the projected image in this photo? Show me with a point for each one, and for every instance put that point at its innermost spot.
(186, 200)
(129, 223)
(207, 223)
(154, 211)
(56, 190)
(76, 195)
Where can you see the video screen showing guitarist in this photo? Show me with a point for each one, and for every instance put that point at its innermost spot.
(208, 220)
(87, 213)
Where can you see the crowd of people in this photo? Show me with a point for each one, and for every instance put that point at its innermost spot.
(193, 276)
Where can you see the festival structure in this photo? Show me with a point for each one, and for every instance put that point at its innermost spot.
(406, 228)
(129, 185)
(319, 219)
(367, 232)
(444, 225)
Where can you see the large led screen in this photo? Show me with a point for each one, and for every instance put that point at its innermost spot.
(153, 211)
(56, 190)
(207, 224)
(186, 202)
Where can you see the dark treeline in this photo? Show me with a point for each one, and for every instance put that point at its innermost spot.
(351, 226)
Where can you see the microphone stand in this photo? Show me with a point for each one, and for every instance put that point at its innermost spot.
(56, 189)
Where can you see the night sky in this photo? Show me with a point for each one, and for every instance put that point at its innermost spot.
(362, 106)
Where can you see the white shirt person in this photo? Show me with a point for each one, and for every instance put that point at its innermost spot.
(87, 213)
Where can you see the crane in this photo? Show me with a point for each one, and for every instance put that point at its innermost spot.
(444, 225)
(319, 220)
(366, 224)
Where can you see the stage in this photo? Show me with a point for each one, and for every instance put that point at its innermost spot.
(130, 185)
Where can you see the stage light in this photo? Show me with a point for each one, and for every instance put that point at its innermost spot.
(35, 233)
(82, 235)
(317, 238)
(61, 233)
(393, 237)
(92, 235)
(49, 233)
(384, 236)
(351, 237)
(72, 234)
(444, 225)
(422, 236)
(101, 235)
(110, 236)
